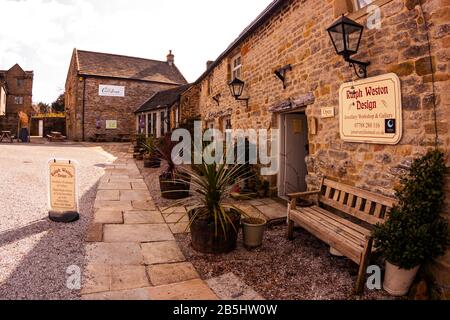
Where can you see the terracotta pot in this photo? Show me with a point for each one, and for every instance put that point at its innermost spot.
(253, 232)
(205, 239)
(397, 281)
(174, 190)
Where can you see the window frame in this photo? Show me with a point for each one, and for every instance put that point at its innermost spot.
(236, 68)
(18, 100)
(20, 82)
(358, 13)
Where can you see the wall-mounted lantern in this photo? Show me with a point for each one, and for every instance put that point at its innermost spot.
(346, 36)
(236, 89)
(281, 73)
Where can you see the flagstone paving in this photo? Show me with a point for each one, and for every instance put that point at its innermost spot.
(131, 252)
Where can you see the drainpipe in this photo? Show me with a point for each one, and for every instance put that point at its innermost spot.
(84, 110)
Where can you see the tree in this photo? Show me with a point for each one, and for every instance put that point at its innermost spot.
(44, 107)
(59, 104)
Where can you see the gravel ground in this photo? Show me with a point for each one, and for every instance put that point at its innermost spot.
(280, 270)
(284, 270)
(34, 252)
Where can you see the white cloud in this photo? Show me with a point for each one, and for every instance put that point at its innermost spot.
(41, 34)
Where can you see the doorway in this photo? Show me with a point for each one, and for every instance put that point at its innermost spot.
(294, 149)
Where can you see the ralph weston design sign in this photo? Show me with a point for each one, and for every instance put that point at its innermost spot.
(111, 91)
(371, 110)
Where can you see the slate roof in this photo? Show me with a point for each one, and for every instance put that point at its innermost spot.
(163, 99)
(123, 67)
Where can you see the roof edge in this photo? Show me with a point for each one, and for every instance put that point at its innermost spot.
(252, 27)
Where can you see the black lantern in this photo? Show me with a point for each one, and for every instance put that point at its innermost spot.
(346, 36)
(236, 89)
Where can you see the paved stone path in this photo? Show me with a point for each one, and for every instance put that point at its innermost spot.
(131, 251)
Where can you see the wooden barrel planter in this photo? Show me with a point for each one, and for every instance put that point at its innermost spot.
(205, 239)
(175, 189)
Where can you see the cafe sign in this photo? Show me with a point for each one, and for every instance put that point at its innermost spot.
(111, 91)
(62, 186)
(371, 110)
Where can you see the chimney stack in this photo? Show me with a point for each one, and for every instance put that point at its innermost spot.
(170, 58)
(208, 64)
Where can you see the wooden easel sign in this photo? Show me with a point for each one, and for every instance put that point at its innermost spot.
(63, 195)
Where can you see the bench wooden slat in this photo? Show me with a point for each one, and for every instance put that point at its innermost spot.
(354, 212)
(368, 207)
(378, 210)
(358, 229)
(353, 236)
(336, 241)
(337, 194)
(389, 202)
(328, 193)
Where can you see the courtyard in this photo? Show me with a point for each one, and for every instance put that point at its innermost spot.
(128, 245)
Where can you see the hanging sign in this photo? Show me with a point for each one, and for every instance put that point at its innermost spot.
(371, 110)
(327, 112)
(111, 91)
(63, 201)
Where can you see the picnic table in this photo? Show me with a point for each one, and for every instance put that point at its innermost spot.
(6, 135)
(56, 136)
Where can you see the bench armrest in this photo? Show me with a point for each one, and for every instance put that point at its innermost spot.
(303, 194)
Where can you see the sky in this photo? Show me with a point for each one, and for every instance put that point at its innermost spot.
(40, 34)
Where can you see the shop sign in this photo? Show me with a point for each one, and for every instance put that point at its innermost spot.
(111, 91)
(371, 110)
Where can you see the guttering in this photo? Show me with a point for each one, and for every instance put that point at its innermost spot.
(261, 19)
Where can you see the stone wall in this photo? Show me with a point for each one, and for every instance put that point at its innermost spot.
(189, 104)
(297, 35)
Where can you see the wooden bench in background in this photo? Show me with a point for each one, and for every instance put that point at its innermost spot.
(342, 218)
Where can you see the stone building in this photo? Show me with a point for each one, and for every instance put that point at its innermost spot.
(161, 113)
(104, 90)
(409, 42)
(17, 94)
(169, 109)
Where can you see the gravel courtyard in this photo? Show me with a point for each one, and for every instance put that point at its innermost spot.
(34, 252)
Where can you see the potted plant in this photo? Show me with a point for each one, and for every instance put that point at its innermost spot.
(214, 222)
(174, 184)
(253, 229)
(151, 156)
(415, 232)
(140, 140)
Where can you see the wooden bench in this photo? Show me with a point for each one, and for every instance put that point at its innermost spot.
(342, 218)
(55, 136)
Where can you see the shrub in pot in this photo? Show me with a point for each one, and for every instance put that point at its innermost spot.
(140, 142)
(214, 223)
(151, 156)
(173, 183)
(415, 232)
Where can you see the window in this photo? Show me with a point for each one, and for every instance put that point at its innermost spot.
(154, 124)
(20, 83)
(149, 124)
(359, 4)
(236, 67)
(163, 123)
(209, 85)
(18, 100)
(226, 123)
